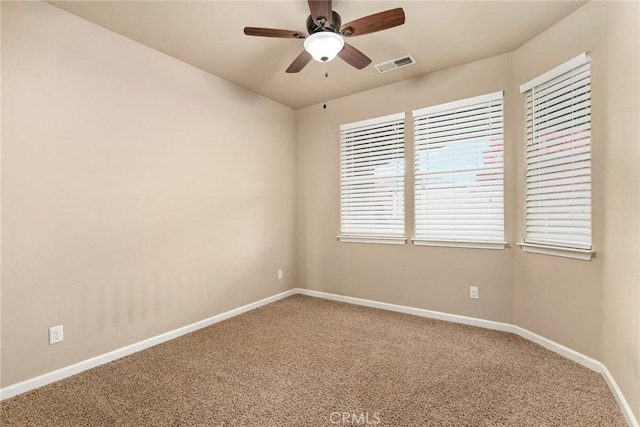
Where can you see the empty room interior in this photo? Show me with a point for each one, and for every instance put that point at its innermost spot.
(295, 212)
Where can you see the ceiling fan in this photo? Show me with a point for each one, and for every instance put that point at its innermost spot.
(325, 41)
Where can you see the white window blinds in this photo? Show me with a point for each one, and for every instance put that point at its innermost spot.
(558, 157)
(459, 173)
(372, 180)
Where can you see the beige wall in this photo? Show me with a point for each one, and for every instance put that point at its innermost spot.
(427, 277)
(593, 307)
(1, 200)
(139, 194)
(551, 291)
(621, 201)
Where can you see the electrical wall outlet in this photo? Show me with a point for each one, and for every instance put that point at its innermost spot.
(473, 292)
(55, 334)
(279, 274)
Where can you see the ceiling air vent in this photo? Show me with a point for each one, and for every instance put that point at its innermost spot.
(394, 64)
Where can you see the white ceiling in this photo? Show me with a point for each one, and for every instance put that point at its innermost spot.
(209, 35)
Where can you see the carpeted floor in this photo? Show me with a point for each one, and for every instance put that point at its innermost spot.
(305, 361)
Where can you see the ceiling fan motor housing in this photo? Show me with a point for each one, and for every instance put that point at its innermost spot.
(336, 22)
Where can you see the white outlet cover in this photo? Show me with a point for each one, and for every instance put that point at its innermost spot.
(473, 292)
(56, 334)
(279, 274)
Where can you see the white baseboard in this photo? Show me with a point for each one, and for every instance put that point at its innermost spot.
(570, 354)
(622, 402)
(577, 357)
(76, 368)
(473, 321)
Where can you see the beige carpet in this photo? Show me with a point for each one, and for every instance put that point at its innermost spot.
(304, 361)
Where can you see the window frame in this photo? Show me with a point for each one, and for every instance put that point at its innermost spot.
(397, 221)
(490, 102)
(579, 251)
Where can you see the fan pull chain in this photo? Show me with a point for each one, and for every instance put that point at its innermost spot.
(326, 75)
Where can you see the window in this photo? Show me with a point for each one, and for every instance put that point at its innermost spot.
(558, 161)
(458, 162)
(372, 180)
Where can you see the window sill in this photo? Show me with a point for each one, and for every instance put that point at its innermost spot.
(581, 254)
(373, 239)
(460, 244)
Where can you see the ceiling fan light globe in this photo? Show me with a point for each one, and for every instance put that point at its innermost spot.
(324, 46)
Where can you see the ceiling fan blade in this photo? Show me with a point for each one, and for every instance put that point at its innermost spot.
(299, 63)
(372, 23)
(272, 32)
(321, 9)
(354, 57)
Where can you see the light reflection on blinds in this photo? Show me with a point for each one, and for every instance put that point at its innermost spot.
(372, 178)
(458, 162)
(558, 160)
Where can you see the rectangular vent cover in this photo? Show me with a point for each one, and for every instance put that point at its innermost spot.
(394, 64)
